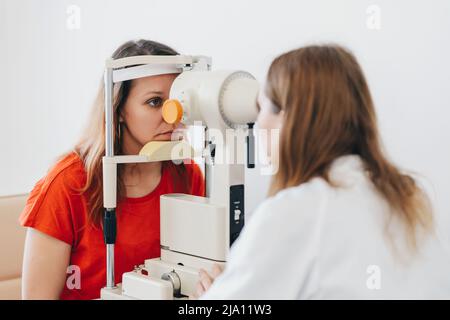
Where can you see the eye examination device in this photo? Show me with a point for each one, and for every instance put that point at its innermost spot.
(195, 232)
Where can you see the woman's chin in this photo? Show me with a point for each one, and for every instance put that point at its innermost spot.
(172, 136)
(163, 137)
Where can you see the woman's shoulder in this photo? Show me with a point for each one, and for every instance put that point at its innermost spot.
(50, 204)
(68, 171)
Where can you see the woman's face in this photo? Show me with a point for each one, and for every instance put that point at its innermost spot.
(270, 121)
(141, 115)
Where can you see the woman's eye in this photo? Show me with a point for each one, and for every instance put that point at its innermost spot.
(155, 102)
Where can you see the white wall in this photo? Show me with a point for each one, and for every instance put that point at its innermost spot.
(50, 73)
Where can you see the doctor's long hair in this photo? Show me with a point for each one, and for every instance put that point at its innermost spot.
(91, 146)
(328, 113)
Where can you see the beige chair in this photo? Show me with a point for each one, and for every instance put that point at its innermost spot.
(12, 237)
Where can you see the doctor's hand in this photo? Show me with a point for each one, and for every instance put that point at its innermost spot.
(206, 280)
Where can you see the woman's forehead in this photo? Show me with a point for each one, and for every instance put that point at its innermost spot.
(156, 83)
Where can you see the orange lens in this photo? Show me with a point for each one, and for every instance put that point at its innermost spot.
(172, 111)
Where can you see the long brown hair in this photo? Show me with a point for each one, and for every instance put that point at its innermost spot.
(328, 113)
(91, 146)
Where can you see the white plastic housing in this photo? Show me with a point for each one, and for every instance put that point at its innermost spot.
(193, 225)
(144, 287)
(222, 99)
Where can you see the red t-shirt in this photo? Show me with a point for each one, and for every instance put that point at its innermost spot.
(55, 208)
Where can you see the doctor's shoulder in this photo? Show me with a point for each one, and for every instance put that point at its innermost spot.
(311, 198)
(302, 202)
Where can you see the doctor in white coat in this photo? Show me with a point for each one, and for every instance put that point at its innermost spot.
(341, 220)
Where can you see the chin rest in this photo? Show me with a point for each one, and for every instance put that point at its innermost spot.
(167, 150)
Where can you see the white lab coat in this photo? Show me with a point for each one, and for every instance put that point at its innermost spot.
(315, 241)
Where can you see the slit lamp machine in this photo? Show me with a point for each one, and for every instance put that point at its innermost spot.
(195, 232)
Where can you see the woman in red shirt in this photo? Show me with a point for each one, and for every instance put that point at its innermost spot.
(64, 255)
